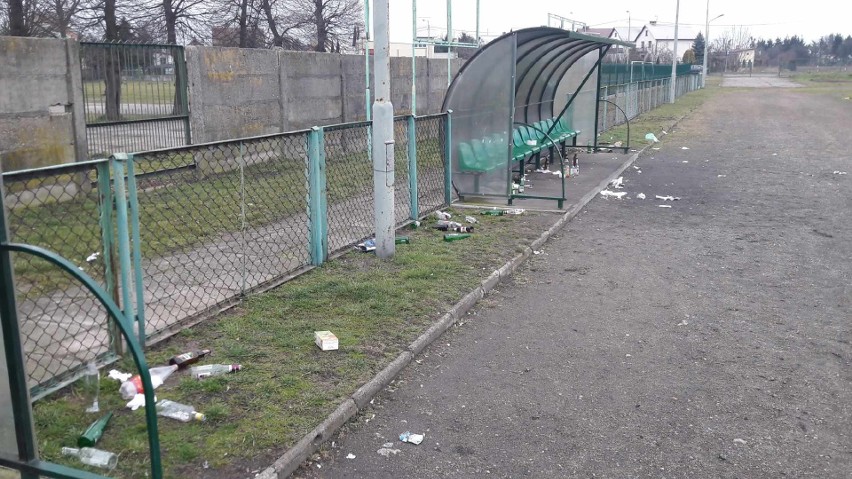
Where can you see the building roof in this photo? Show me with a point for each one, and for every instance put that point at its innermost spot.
(600, 32)
(634, 32)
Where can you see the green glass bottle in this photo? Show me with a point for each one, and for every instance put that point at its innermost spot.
(456, 236)
(93, 432)
(493, 213)
(403, 240)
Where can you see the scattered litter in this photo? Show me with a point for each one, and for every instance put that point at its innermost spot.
(133, 386)
(617, 144)
(92, 457)
(178, 411)
(839, 173)
(350, 456)
(635, 167)
(775, 154)
(536, 252)
(386, 450)
(665, 206)
(608, 193)
(668, 198)
(617, 183)
(137, 402)
(201, 372)
(471, 219)
(683, 323)
(628, 356)
(319, 466)
(94, 432)
(664, 132)
(515, 211)
(558, 173)
(414, 225)
(640, 196)
(326, 340)
(652, 138)
(632, 150)
(721, 176)
(402, 240)
(740, 441)
(189, 358)
(684, 147)
(639, 172)
(206, 465)
(119, 376)
(367, 246)
(409, 436)
(542, 170)
(442, 215)
(685, 161)
(92, 381)
(93, 256)
(655, 148)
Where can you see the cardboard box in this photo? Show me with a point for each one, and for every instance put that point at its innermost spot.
(326, 340)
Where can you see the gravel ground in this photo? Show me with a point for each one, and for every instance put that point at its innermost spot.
(709, 339)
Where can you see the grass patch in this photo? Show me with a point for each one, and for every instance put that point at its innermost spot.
(287, 385)
(834, 83)
(662, 117)
(138, 91)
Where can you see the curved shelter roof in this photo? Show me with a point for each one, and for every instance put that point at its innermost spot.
(521, 77)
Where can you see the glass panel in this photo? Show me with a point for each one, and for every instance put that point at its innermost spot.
(480, 99)
(581, 114)
(8, 443)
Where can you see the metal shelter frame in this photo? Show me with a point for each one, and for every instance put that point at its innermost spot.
(520, 77)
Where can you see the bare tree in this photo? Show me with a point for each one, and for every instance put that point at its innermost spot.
(285, 25)
(329, 21)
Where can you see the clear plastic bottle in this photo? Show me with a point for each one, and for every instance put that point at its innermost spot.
(93, 457)
(176, 410)
(133, 386)
(92, 383)
(201, 372)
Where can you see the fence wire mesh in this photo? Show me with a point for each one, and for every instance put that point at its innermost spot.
(62, 324)
(431, 151)
(216, 221)
(219, 220)
(349, 173)
(639, 97)
(134, 97)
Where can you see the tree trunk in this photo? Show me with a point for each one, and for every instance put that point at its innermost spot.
(277, 40)
(171, 38)
(243, 22)
(322, 28)
(17, 26)
(112, 77)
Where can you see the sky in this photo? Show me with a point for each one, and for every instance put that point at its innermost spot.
(763, 18)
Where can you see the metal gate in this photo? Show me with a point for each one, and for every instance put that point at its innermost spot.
(135, 97)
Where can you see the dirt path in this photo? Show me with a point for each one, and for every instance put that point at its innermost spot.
(709, 339)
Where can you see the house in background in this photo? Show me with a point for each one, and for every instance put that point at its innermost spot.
(655, 43)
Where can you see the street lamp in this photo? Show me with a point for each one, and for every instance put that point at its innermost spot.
(628, 35)
(707, 44)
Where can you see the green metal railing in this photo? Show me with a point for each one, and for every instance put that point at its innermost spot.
(27, 461)
(135, 97)
(178, 234)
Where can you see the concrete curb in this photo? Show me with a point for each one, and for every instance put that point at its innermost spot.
(360, 399)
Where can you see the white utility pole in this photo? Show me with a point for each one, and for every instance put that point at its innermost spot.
(383, 154)
(705, 71)
(673, 88)
(629, 39)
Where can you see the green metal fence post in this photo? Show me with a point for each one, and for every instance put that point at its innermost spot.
(19, 391)
(412, 168)
(136, 246)
(118, 162)
(317, 192)
(448, 164)
(182, 89)
(105, 202)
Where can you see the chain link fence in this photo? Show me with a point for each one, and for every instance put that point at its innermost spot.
(636, 98)
(215, 222)
(63, 325)
(430, 134)
(218, 221)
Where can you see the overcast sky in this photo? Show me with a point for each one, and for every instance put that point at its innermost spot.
(763, 18)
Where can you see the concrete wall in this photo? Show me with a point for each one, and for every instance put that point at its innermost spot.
(41, 103)
(236, 93)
